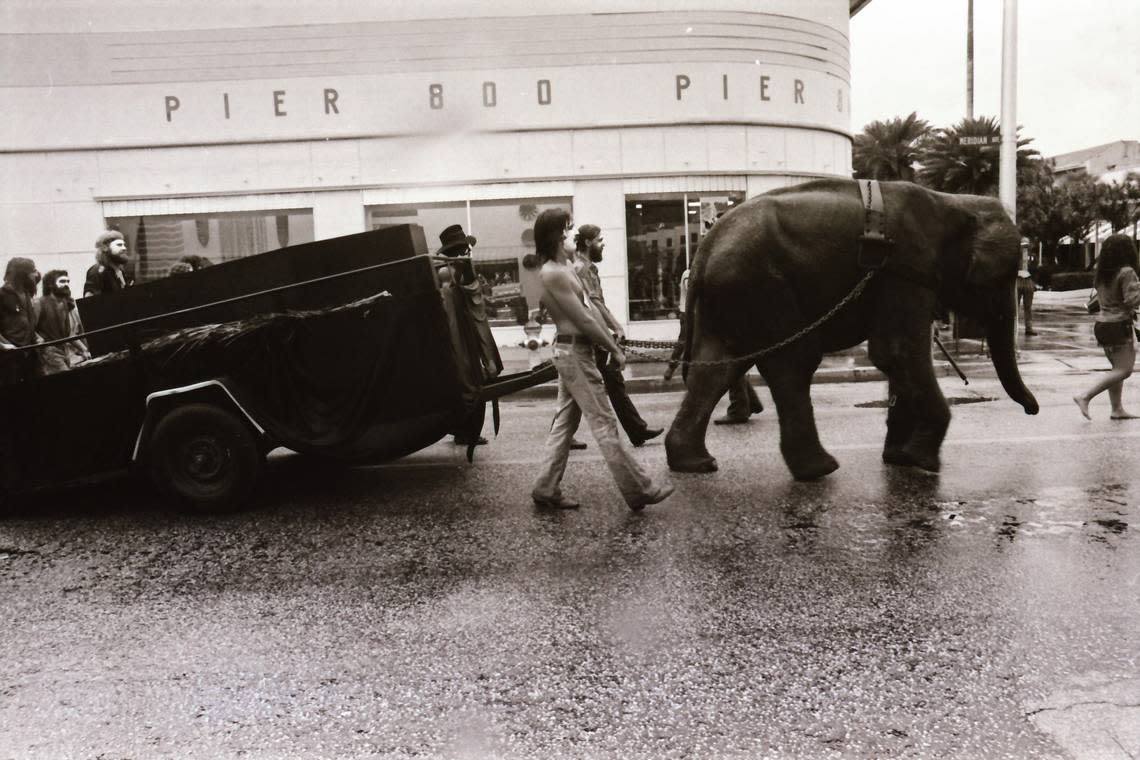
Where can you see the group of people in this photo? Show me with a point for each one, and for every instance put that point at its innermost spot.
(28, 319)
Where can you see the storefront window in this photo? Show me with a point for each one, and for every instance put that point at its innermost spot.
(157, 243)
(504, 233)
(663, 232)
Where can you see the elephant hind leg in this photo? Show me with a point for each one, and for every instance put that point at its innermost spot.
(789, 374)
(705, 385)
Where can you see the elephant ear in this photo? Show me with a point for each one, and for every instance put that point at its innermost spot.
(984, 241)
(958, 245)
(996, 246)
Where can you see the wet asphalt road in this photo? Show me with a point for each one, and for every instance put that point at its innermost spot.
(426, 609)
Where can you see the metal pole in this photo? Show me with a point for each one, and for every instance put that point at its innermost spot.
(1007, 173)
(969, 59)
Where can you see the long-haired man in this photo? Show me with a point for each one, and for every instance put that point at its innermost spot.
(580, 388)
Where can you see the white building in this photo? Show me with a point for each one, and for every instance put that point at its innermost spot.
(1111, 162)
(214, 129)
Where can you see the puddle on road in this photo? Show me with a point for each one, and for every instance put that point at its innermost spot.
(1098, 512)
(1100, 515)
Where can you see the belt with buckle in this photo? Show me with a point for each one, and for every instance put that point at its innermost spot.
(580, 340)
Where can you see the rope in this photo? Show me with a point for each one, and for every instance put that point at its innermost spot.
(632, 346)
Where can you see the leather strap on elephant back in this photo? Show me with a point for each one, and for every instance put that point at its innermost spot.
(876, 249)
(873, 214)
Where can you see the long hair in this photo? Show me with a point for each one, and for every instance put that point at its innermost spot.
(548, 230)
(1116, 252)
(585, 236)
(20, 274)
(103, 242)
(49, 281)
(196, 262)
(103, 246)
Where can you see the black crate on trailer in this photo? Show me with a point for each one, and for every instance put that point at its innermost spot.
(253, 274)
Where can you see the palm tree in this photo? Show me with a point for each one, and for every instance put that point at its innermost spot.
(886, 150)
(964, 158)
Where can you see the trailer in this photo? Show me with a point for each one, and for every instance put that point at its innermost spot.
(346, 349)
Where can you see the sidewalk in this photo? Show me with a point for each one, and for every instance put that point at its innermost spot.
(1064, 344)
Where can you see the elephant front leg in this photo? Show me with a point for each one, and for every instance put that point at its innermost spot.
(918, 419)
(790, 384)
(705, 385)
(901, 426)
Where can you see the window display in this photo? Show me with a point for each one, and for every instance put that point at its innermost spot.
(663, 233)
(503, 232)
(160, 244)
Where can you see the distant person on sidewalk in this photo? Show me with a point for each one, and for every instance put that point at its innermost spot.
(742, 403)
(1026, 287)
(580, 389)
(1118, 290)
(588, 252)
(742, 399)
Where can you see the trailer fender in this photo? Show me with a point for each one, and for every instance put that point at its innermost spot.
(208, 391)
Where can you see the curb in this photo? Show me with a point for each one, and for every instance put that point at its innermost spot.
(657, 384)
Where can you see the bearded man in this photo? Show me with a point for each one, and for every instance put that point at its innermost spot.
(59, 318)
(589, 246)
(18, 322)
(108, 274)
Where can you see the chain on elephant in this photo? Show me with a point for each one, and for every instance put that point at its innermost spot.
(632, 346)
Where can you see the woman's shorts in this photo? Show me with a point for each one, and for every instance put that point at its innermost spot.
(1110, 334)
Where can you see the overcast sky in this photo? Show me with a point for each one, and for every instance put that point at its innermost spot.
(1078, 66)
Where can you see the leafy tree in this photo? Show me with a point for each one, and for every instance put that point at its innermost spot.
(887, 150)
(951, 164)
(1118, 203)
(1036, 197)
(1048, 210)
(1132, 182)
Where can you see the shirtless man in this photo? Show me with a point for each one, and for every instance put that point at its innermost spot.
(580, 387)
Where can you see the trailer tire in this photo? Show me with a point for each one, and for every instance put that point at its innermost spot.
(205, 458)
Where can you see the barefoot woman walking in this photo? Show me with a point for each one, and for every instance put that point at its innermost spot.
(1118, 290)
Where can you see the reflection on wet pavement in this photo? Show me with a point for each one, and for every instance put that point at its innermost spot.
(432, 612)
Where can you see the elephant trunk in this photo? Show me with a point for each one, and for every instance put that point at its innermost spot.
(1001, 327)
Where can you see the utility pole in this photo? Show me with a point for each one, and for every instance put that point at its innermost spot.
(969, 59)
(1007, 167)
(1007, 171)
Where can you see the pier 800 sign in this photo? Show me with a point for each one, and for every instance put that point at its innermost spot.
(424, 103)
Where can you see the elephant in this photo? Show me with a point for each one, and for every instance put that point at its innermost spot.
(777, 263)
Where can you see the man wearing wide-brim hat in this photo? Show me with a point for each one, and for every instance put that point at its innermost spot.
(471, 335)
(455, 242)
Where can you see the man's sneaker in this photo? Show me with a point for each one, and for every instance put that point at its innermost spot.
(558, 502)
(657, 495)
(647, 434)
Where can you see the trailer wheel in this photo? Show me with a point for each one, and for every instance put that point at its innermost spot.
(205, 458)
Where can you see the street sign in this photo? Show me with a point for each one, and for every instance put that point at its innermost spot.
(979, 140)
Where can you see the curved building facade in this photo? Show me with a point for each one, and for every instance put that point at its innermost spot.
(228, 141)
